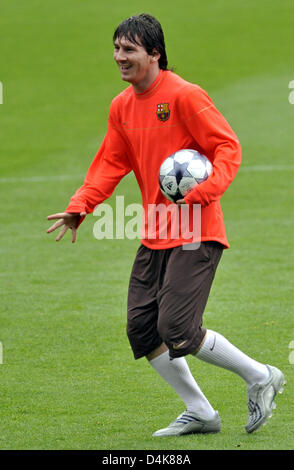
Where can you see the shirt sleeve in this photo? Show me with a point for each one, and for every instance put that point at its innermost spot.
(215, 139)
(109, 166)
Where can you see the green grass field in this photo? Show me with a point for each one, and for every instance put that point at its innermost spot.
(68, 379)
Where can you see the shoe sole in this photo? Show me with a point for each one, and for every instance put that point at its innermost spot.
(207, 428)
(187, 433)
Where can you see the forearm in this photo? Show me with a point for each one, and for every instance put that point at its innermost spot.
(225, 166)
(109, 166)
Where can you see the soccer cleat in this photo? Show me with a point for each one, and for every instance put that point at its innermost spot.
(188, 423)
(261, 399)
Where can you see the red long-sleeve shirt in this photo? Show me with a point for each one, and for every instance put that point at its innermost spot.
(146, 128)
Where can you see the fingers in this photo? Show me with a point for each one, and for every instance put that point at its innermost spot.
(55, 226)
(63, 230)
(74, 235)
(68, 220)
(59, 215)
(181, 201)
(62, 233)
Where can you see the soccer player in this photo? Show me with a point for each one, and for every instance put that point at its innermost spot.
(158, 114)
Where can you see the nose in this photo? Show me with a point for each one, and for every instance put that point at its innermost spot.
(119, 55)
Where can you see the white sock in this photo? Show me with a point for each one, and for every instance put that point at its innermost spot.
(217, 350)
(176, 373)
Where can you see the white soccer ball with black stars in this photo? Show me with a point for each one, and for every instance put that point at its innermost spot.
(181, 172)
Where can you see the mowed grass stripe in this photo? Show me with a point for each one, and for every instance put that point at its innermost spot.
(45, 179)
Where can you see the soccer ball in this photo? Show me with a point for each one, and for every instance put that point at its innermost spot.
(181, 172)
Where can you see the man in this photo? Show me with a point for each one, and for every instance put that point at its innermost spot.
(158, 114)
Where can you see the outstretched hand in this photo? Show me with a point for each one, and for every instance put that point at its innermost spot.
(65, 220)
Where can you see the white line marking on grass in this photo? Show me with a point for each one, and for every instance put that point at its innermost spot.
(47, 179)
(40, 179)
(261, 168)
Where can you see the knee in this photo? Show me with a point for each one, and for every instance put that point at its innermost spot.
(143, 336)
(181, 339)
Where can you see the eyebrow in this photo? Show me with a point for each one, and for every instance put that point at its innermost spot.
(129, 39)
(125, 46)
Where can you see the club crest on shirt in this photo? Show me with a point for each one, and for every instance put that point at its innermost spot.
(163, 111)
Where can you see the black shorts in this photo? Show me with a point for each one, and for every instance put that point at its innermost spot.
(168, 292)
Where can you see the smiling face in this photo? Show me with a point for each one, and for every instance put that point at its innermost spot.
(136, 66)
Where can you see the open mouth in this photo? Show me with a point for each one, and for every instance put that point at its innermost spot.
(123, 68)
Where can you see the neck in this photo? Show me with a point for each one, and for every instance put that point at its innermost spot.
(143, 85)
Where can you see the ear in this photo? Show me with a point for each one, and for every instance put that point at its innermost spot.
(155, 55)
